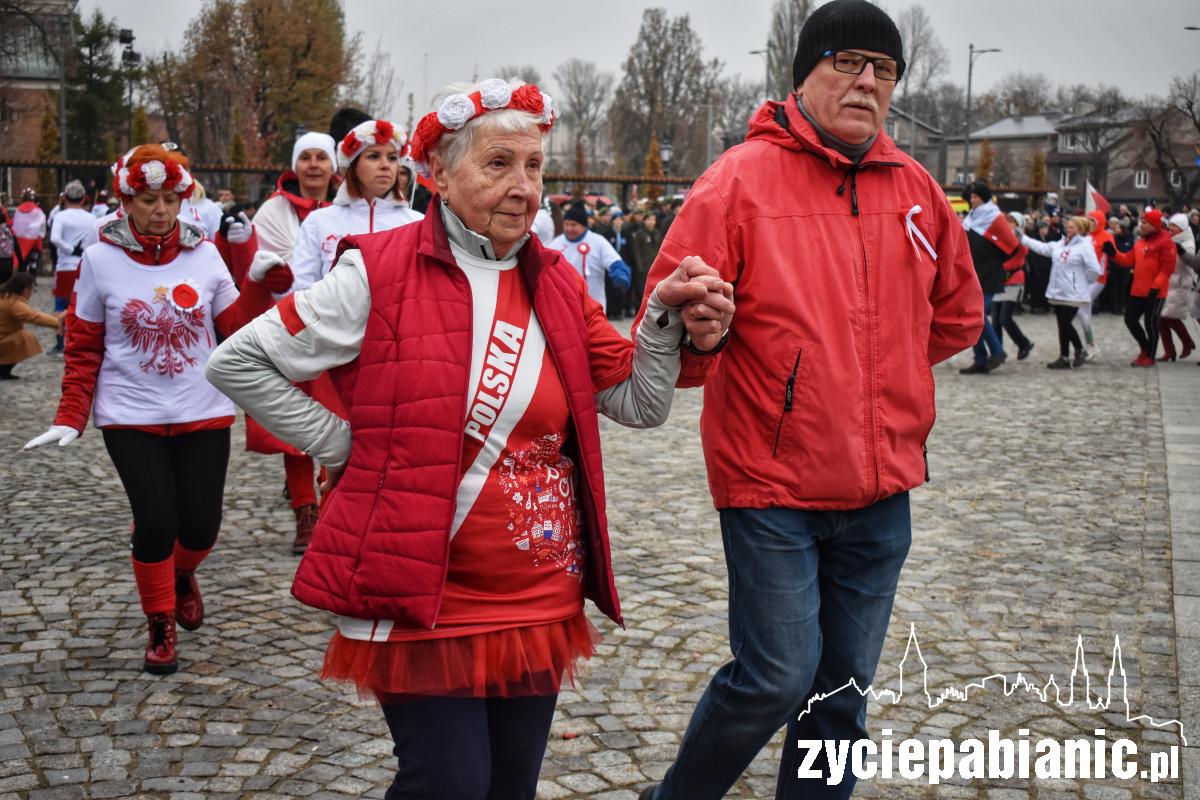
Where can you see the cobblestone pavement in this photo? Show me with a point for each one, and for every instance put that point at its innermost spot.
(1046, 520)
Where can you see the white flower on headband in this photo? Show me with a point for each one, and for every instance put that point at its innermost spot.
(123, 181)
(155, 173)
(456, 111)
(547, 109)
(495, 93)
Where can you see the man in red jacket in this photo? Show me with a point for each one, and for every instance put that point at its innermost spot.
(852, 276)
(1153, 261)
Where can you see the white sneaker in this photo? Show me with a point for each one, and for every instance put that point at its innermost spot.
(1091, 353)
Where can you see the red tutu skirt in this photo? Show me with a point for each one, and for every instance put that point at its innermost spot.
(514, 662)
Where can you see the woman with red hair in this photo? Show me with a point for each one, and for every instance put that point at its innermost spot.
(152, 300)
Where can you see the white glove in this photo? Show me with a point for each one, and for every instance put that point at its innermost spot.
(240, 229)
(264, 261)
(63, 434)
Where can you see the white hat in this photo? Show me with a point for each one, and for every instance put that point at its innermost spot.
(1179, 221)
(314, 140)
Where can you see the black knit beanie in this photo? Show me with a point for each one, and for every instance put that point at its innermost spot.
(577, 213)
(846, 25)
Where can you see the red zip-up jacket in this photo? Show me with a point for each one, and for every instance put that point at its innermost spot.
(823, 396)
(1153, 261)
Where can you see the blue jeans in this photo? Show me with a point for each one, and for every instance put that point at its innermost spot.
(988, 340)
(810, 595)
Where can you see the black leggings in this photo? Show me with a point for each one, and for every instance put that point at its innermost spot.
(1141, 317)
(1067, 337)
(469, 748)
(175, 485)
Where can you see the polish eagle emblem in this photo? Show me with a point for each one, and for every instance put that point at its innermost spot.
(166, 328)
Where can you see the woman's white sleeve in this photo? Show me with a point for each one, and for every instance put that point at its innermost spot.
(257, 366)
(643, 400)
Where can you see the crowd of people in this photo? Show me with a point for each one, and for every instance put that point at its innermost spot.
(410, 322)
(1142, 268)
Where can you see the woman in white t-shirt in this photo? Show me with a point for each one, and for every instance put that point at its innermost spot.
(369, 199)
(152, 298)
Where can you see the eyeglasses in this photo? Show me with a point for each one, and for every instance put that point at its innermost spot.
(852, 63)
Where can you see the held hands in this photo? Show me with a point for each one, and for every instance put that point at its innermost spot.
(706, 301)
(270, 269)
(63, 434)
(240, 229)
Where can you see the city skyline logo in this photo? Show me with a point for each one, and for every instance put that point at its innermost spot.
(1102, 700)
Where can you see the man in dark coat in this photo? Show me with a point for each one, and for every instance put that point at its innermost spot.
(992, 243)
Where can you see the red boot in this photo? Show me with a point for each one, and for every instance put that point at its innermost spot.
(189, 605)
(161, 658)
(1143, 360)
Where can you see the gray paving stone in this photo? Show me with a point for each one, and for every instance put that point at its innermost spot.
(1041, 524)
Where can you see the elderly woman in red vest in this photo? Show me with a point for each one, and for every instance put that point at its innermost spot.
(468, 525)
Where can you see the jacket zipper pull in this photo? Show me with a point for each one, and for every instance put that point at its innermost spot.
(787, 397)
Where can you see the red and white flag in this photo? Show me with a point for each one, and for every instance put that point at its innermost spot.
(1095, 201)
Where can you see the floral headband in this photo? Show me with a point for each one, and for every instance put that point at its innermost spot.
(368, 134)
(152, 175)
(459, 109)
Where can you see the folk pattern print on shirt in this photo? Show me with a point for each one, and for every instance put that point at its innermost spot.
(167, 328)
(544, 518)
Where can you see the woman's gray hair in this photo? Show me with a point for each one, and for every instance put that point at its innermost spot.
(455, 144)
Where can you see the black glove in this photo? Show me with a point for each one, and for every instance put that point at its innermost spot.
(1109, 249)
(1153, 294)
(1179, 248)
(78, 251)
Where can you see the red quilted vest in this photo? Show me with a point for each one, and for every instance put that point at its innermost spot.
(382, 545)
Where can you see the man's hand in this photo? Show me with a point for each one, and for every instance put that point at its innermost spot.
(705, 299)
(62, 434)
(240, 229)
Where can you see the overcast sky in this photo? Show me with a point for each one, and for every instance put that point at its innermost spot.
(1135, 46)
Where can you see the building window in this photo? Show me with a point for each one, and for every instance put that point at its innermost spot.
(1141, 179)
(1066, 178)
(890, 127)
(1068, 142)
(1176, 178)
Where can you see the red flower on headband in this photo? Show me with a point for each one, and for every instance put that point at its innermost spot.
(527, 98)
(137, 179)
(384, 131)
(428, 131)
(174, 174)
(350, 143)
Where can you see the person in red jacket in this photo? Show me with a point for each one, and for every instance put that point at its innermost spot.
(852, 277)
(1153, 261)
(152, 297)
(1106, 248)
(467, 522)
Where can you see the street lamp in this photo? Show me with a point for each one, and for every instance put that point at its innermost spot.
(972, 54)
(766, 54)
(664, 154)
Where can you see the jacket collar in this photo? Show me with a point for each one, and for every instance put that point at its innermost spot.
(151, 250)
(343, 198)
(434, 242)
(288, 187)
(783, 124)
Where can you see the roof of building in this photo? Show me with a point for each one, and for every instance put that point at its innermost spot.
(32, 35)
(895, 109)
(1020, 127)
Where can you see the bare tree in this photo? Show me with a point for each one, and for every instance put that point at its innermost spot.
(787, 18)
(666, 81)
(526, 72)
(1165, 128)
(372, 84)
(924, 52)
(583, 97)
(738, 100)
